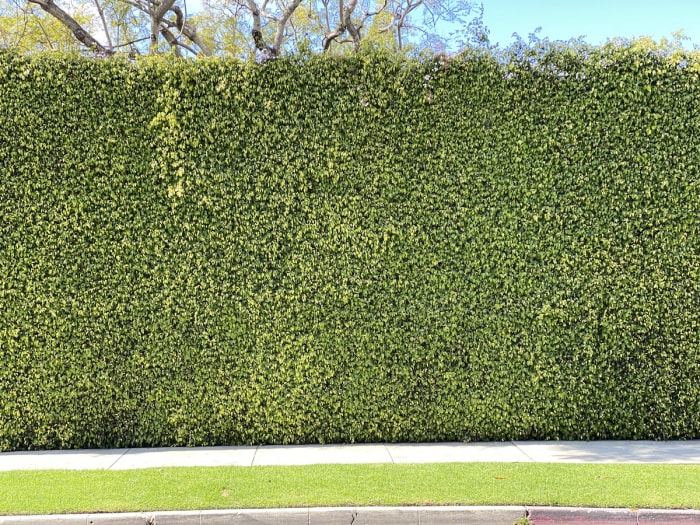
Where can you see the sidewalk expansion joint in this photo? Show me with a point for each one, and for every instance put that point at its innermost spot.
(119, 458)
(386, 447)
(522, 451)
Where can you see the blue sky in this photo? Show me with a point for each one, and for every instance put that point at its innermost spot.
(598, 20)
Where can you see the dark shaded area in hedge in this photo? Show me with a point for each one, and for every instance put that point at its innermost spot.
(366, 249)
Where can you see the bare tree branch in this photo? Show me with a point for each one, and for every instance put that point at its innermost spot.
(175, 44)
(260, 43)
(401, 19)
(345, 23)
(331, 36)
(368, 15)
(180, 24)
(132, 42)
(188, 31)
(286, 14)
(171, 39)
(377, 12)
(349, 25)
(157, 12)
(388, 27)
(163, 8)
(104, 23)
(46, 35)
(78, 31)
(25, 23)
(326, 15)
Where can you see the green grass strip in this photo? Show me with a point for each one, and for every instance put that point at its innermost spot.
(649, 486)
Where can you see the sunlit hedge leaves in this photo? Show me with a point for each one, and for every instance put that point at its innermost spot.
(344, 250)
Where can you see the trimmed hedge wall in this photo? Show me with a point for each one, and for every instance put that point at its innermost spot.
(349, 250)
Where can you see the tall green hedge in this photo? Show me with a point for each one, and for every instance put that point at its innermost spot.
(349, 250)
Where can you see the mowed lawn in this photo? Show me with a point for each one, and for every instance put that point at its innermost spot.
(193, 488)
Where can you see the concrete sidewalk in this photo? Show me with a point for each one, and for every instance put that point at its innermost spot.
(670, 452)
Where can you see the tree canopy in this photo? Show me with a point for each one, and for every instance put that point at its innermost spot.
(247, 29)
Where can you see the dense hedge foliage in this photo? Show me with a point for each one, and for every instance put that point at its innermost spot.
(349, 250)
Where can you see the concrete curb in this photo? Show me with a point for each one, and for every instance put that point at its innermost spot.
(377, 516)
(302, 516)
(591, 516)
(572, 515)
